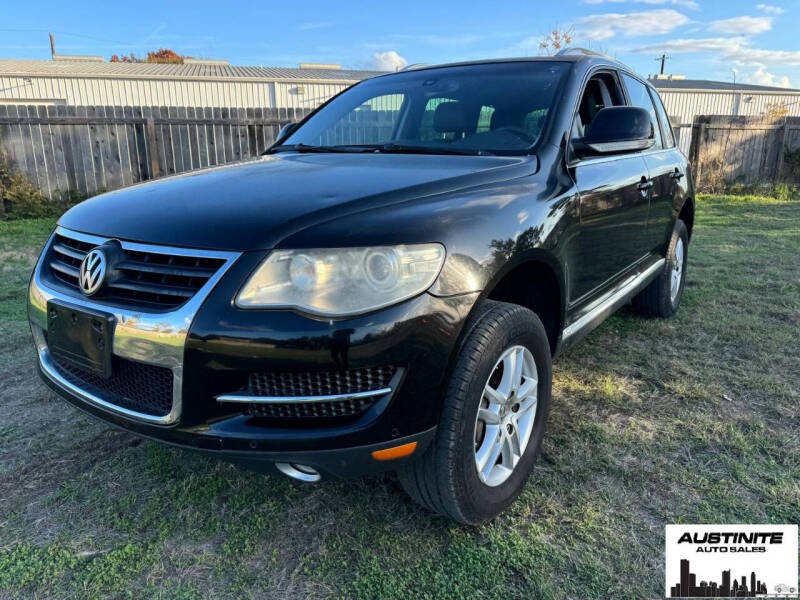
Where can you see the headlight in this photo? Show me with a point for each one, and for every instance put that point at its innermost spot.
(339, 282)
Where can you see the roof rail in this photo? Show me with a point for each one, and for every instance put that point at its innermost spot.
(415, 66)
(583, 51)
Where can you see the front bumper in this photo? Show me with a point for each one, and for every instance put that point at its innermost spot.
(210, 345)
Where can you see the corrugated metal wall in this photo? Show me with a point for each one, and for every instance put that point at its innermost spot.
(244, 93)
(690, 103)
(264, 93)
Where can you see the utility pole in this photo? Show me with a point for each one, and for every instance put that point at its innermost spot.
(52, 46)
(663, 58)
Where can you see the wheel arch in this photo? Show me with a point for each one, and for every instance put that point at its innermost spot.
(535, 282)
(686, 214)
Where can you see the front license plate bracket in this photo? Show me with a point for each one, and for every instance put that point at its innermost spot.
(81, 337)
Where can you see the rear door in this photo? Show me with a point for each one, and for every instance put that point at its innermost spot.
(673, 180)
(662, 164)
(614, 200)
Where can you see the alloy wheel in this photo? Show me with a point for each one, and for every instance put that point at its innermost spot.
(506, 415)
(677, 271)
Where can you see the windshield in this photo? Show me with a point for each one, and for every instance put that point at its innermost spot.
(497, 108)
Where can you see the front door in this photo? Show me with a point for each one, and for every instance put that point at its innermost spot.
(614, 201)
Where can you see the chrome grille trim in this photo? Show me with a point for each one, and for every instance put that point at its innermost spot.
(301, 399)
(159, 276)
(156, 338)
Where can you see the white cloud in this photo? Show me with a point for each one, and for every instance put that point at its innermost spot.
(691, 4)
(651, 22)
(388, 61)
(763, 77)
(731, 51)
(746, 55)
(769, 9)
(744, 25)
(687, 45)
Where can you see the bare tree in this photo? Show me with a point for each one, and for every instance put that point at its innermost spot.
(556, 40)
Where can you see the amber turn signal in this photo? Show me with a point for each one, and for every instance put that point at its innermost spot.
(395, 452)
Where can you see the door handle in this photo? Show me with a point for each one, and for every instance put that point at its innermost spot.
(677, 174)
(644, 185)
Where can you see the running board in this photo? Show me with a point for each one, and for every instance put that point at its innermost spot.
(610, 304)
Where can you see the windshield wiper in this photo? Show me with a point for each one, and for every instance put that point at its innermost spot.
(388, 148)
(392, 148)
(312, 148)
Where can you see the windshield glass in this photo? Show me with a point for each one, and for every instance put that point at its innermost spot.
(497, 108)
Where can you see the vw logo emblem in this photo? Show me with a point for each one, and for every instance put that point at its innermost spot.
(93, 271)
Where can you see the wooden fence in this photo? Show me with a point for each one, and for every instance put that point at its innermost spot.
(86, 150)
(744, 150)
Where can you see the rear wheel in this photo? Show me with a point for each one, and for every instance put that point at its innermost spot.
(663, 296)
(493, 419)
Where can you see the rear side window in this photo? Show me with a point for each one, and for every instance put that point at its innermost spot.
(666, 128)
(641, 97)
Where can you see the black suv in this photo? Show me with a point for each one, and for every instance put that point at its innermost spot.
(387, 286)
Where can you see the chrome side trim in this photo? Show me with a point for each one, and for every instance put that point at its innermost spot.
(152, 338)
(301, 399)
(609, 303)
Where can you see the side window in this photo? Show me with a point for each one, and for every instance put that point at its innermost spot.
(533, 122)
(666, 128)
(601, 91)
(641, 97)
(427, 132)
(485, 119)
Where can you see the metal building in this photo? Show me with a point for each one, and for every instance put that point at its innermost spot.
(91, 81)
(686, 99)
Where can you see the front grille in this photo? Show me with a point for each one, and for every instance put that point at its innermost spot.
(320, 383)
(162, 280)
(133, 385)
(316, 383)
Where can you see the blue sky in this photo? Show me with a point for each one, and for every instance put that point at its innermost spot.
(706, 39)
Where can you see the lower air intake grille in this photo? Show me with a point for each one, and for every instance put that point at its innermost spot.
(133, 385)
(287, 385)
(320, 383)
(312, 410)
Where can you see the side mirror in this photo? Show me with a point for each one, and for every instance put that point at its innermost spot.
(286, 131)
(615, 130)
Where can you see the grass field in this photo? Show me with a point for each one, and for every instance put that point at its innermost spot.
(692, 419)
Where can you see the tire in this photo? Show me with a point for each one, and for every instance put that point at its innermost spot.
(657, 299)
(445, 479)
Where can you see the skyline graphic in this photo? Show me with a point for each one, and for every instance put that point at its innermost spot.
(738, 588)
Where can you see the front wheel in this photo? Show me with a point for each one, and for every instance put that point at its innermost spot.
(493, 418)
(662, 296)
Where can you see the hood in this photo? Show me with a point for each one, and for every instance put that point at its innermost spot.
(254, 205)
